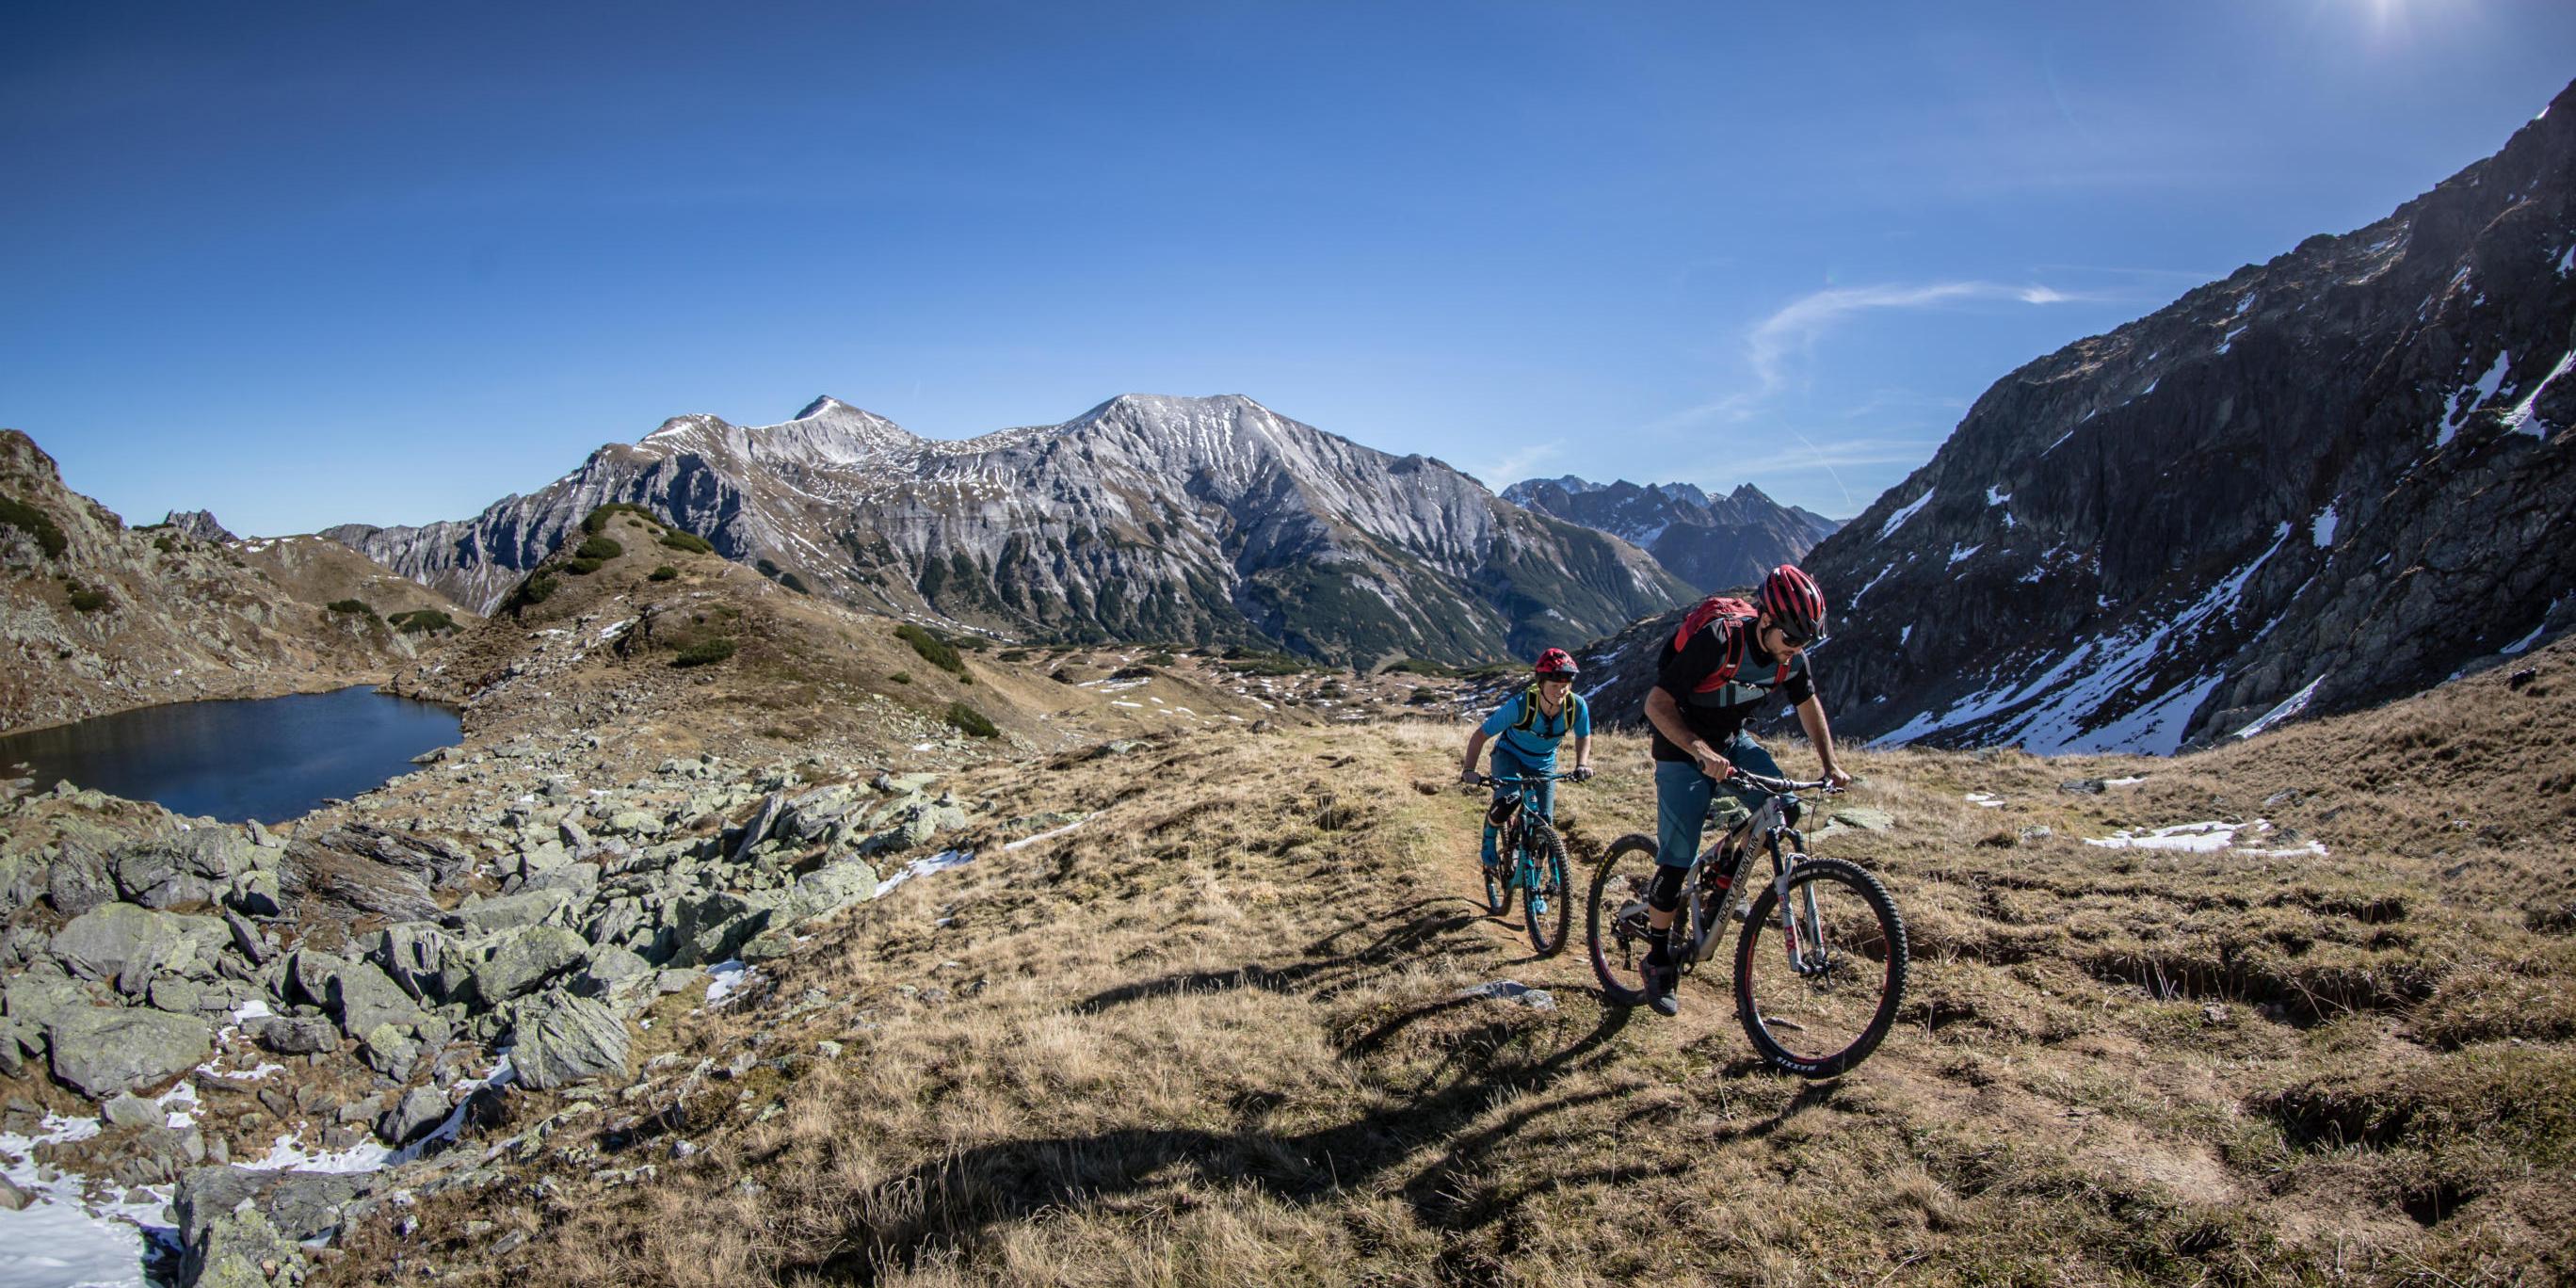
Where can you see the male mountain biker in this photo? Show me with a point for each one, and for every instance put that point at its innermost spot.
(1718, 670)
(1526, 729)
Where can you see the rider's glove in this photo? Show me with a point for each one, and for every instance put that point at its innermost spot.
(1467, 777)
(1582, 772)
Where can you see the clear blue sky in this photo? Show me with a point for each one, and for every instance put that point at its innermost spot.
(304, 265)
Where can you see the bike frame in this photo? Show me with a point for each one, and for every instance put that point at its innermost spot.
(1516, 829)
(1715, 871)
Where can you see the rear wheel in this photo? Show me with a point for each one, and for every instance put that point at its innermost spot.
(1544, 896)
(1817, 995)
(1614, 919)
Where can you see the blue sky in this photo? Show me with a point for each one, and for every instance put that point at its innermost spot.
(304, 265)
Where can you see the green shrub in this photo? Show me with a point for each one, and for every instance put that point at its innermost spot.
(582, 567)
(601, 549)
(705, 651)
(597, 520)
(422, 620)
(537, 589)
(35, 523)
(354, 607)
(971, 721)
(86, 600)
(688, 541)
(934, 650)
(1423, 666)
(901, 677)
(664, 573)
(1017, 654)
(166, 544)
(1159, 659)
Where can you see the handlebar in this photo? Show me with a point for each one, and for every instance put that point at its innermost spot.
(1489, 780)
(1780, 786)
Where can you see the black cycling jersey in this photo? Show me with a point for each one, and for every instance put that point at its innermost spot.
(1719, 714)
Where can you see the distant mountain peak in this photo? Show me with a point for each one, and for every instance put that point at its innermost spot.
(1714, 543)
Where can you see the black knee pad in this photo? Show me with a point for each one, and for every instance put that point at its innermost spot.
(1666, 892)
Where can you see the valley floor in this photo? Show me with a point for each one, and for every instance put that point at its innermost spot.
(1215, 1032)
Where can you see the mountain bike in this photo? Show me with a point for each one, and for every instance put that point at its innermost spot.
(1820, 967)
(1533, 861)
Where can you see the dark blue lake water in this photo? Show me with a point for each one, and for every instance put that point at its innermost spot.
(269, 759)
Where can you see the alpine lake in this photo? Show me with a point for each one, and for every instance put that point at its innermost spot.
(268, 759)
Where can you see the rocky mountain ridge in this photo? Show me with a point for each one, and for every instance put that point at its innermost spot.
(1195, 520)
(1712, 542)
(2320, 483)
(98, 617)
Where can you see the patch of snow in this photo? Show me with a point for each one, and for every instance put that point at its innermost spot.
(1898, 519)
(2322, 531)
(1958, 553)
(1984, 801)
(2151, 386)
(2228, 341)
(2130, 781)
(2567, 260)
(2462, 404)
(1873, 584)
(2199, 838)
(2290, 706)
(1026, 841)
(730, 975)
(2520, 420)
(1996, 496)
(2527, 640)
(939, 862)
(1906, 634)
(2247, 303)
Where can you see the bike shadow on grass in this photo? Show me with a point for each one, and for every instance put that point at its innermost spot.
(951, 1204)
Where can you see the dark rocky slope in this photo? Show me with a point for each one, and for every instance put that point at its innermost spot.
(2325, 481)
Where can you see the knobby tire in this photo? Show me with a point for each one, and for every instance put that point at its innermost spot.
(1762, 934)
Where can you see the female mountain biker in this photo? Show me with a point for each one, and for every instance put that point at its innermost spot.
(1525, 730)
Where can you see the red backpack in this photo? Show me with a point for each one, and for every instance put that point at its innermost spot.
(1709, 610)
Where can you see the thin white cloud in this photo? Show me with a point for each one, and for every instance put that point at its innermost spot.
(1518, 465)
(1793, 331)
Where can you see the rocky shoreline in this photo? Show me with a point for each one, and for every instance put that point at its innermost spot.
(245, 1037)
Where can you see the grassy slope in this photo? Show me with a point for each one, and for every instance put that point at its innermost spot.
(1212, 1036)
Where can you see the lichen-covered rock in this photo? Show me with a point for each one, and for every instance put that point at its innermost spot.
(419, 1111)
(244, 1249)
(78, 880)
(509, 912)
(100, 1050)
(294, 1035)
(110, 941)
(561, 1039)
(519, 960)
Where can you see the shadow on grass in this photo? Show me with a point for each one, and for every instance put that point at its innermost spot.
(951, 1203)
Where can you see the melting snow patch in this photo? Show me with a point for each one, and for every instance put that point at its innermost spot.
(1045, 836)
(2198, 837)
(1898, 519)
(1997, 496)
(730, 974)
(939, 862)
(2528, 640)
(1958, 553)
(2520, 420)
(2291, 706)
(1984, 801)
(2322, 531)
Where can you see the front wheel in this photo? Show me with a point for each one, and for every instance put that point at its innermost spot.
(1614, 920)
(1818, 989)
(1543, 888)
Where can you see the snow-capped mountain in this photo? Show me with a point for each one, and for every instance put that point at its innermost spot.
(2325, 481)
(1185, 519)
(1713, 543)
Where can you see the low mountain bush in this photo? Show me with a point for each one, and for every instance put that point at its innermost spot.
(600, 549)
(971, 721)
(936, 651)
(596, 521)
(689, 542)
(535, 590)
(705, 652)
(901, 677)
(422, 621)
(664, 573)
(353, 607)
(87, 600)
(582, 567)
(35, 523)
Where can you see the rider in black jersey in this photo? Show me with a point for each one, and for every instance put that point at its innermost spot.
(1707, 688)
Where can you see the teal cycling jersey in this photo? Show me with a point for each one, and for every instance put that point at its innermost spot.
(1530, 735)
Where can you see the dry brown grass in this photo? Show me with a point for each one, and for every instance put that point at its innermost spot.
(1213, 1036)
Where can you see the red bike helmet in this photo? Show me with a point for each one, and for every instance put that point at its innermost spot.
(1556, 664)
(1796, 606)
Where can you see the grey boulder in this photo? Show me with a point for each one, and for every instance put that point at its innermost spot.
(520, 960)
(102, 1050)
(120, 941)
(562, 1039)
